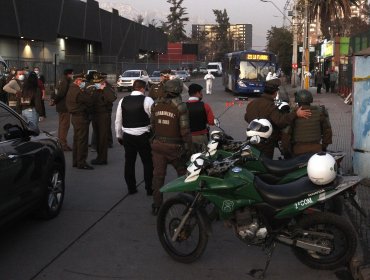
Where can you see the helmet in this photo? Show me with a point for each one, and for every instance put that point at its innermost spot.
(259, 127)
(303, 96)
(173, 87)
(322, 168)
(272, 86)
(283, 106)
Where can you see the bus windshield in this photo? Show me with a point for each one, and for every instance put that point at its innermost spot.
(254, 70)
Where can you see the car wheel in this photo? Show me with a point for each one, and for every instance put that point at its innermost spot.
(52, 201)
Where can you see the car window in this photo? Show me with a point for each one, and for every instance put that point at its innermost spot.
(10, 126)
(156, 74)
(131, 74)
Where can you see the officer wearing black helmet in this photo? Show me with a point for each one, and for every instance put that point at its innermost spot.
(172, 138)
(310, 135)
(265, 108)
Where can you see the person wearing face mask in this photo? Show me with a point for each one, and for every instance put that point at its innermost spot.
(103, 96)
(200, 116)
(78, 102)
(14, 90)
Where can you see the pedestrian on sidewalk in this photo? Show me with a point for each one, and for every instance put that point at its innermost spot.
(333, 80)
(209, 82)
(133, 133)
(319, 81)
(326, 79)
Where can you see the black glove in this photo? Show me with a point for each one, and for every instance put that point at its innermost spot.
(120, 141)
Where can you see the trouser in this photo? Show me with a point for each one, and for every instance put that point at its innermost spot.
(319, 86)
(80, 139)
(31, 115)
(164, 154)
(110, 134)
(133, 145)
(332, 86)
(327, 86)
(100, 121)
(209, 87)
(64, 124)
(199, 143)
(304, 148)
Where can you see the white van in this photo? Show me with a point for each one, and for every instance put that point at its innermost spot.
(215, 68)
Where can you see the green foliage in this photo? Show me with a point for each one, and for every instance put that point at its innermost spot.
(175, 24)
(222, 44)
(280, 41)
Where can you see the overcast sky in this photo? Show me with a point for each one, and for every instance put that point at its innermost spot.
(261, 15)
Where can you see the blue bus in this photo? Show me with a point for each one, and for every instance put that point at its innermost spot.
(245, 72)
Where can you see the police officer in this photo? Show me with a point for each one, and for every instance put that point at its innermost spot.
(264, 108)
(79, 103)
(103, 96)
(200, 116)
(172, 137)
(133, 132)
(310, 135)
(59, 99)
(156, 91)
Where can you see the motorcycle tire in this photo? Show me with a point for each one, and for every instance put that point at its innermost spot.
(343, 246)
(169, 219)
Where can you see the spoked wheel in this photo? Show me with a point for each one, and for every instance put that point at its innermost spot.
(192, 239)
(333, 232)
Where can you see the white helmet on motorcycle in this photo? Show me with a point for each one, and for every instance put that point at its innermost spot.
(322, 168)
(259, 127)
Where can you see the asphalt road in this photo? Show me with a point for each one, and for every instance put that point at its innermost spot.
(101, 233)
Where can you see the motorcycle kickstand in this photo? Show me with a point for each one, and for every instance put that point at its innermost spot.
(269, 250)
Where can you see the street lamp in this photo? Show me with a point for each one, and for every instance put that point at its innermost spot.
(284, 16)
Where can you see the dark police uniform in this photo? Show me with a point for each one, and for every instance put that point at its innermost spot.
(156, 91)
(102, 104)
(79, 103)
(264, 108)
(172, 137)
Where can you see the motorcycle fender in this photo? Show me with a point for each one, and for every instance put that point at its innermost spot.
(202, 216)
(179, 185)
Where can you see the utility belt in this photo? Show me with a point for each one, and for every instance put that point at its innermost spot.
(169, 140)
(79, 114)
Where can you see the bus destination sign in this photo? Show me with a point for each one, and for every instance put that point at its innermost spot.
(263, 57)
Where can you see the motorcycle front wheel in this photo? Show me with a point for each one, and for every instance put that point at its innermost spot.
(337, 234)
(191, 241)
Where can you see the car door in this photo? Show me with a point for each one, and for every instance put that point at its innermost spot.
(19, 175)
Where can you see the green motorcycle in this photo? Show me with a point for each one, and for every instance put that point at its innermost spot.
(260, 214)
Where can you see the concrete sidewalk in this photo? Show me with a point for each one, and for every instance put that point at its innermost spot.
(341, 118)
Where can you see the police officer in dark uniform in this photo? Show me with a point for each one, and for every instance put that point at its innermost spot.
(310, 135)
(172, 137)
(58, 99)
(265, 108)
(156, 91)
(79, 103)
(103, 96)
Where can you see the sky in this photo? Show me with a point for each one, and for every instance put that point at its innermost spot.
(262, 15)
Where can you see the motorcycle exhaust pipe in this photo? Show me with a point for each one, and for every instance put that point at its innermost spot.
(304, 245)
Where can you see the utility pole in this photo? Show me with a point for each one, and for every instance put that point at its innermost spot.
(295, 46)
(305, 81)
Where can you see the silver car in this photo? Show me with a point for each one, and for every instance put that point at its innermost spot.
(183, 75)
(155, 78)
(126, 80)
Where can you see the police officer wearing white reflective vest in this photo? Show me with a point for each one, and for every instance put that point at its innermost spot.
(172, 137)
(133, 132)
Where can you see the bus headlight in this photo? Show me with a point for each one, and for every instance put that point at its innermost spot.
(241, 84)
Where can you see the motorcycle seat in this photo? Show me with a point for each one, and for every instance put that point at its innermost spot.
(283, 195)
(282, 167)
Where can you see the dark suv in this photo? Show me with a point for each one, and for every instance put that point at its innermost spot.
(32, 169)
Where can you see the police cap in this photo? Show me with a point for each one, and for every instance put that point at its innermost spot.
(272, 86)
(95, 77)
(79, 76)
(173, 87)
(165, 72)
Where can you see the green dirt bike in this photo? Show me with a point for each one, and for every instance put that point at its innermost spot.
(260, 214)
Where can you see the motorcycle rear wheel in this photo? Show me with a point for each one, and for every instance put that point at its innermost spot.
(343, 245)
(192, 240)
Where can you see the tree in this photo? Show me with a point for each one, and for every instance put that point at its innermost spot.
(222, 43)
(175, 24)
(279, 41)
(328, 13)
(139, 19)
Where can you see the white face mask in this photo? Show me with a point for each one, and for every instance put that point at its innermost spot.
(37, 72)
(21, 77)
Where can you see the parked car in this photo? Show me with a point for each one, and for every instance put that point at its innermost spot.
(155, 78)
(32, 169)
(183, 75)
(126, 80)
